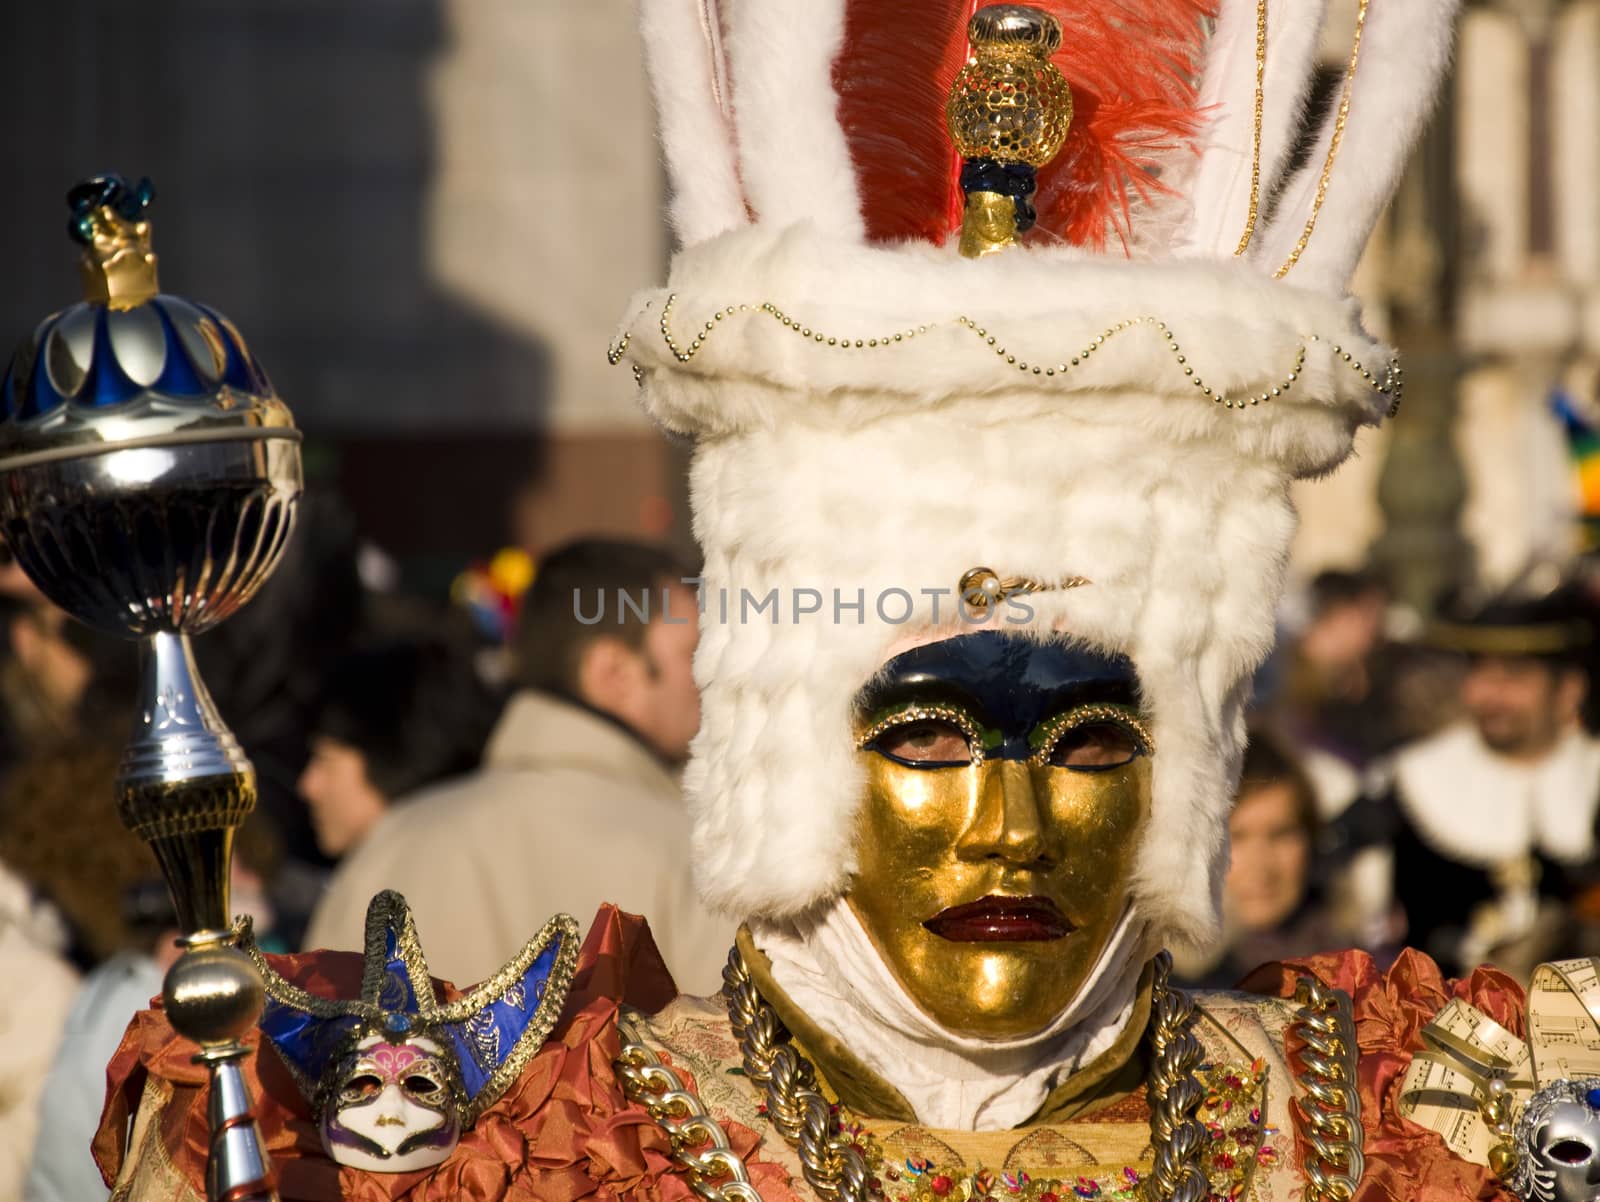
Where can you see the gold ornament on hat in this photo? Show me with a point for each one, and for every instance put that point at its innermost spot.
(1009, 107)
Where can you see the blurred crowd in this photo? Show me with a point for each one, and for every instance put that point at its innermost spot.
(499, 755)
(1429, 783)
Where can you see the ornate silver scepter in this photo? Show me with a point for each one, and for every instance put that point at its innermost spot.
(148, 482)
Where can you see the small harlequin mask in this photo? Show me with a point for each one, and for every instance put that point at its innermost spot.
(395, 1076)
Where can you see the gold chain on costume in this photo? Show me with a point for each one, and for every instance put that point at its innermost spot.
(795, 1105)
(831, 1166)
(1255, 143)
(699, 1144)
(1333, 147)
(1177, 1137)
(1332, 1111)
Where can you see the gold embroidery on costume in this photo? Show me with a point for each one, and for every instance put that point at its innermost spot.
(1234, 1116)
(484, 1039)
(1047, 1165)
(1095, 1143)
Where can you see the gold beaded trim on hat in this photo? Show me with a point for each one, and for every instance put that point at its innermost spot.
(1087, 715)
(1389, 385)
(936, 711)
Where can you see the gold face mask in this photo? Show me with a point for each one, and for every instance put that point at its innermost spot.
(1008, 787)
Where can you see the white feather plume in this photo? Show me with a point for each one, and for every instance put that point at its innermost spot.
(682, 41)
(1220, 193)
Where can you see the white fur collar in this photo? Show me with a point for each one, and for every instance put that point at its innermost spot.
(1479, 808)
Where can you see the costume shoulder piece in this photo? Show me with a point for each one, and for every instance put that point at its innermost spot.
(1477, 1090)
(384, 1084)
(1349, 1083)
(1078, 1147)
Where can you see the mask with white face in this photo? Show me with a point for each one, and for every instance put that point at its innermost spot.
(394, 1109)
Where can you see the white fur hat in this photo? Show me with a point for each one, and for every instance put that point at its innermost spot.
(875, 415)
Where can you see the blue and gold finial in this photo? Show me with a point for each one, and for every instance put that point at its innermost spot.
(118, 267)
(127, 345)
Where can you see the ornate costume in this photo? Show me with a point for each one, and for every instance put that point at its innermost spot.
(994, 526)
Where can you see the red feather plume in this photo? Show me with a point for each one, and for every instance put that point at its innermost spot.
(893, 74)
(1133, 67)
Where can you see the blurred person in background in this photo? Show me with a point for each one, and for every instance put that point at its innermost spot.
(264, 667)
(1274, 906)
(43, 673)
(391, 719)
(1488, 827)
(62, 1167)
(65, 851)
(60, 830)
(60, 840)
(1334, 695)
(577, 802)
(64, 855)
(38, 987)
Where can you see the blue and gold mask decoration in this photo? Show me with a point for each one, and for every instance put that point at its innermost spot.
(394, 1076)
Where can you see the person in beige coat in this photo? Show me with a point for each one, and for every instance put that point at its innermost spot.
(38, 988)
(577, 801)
